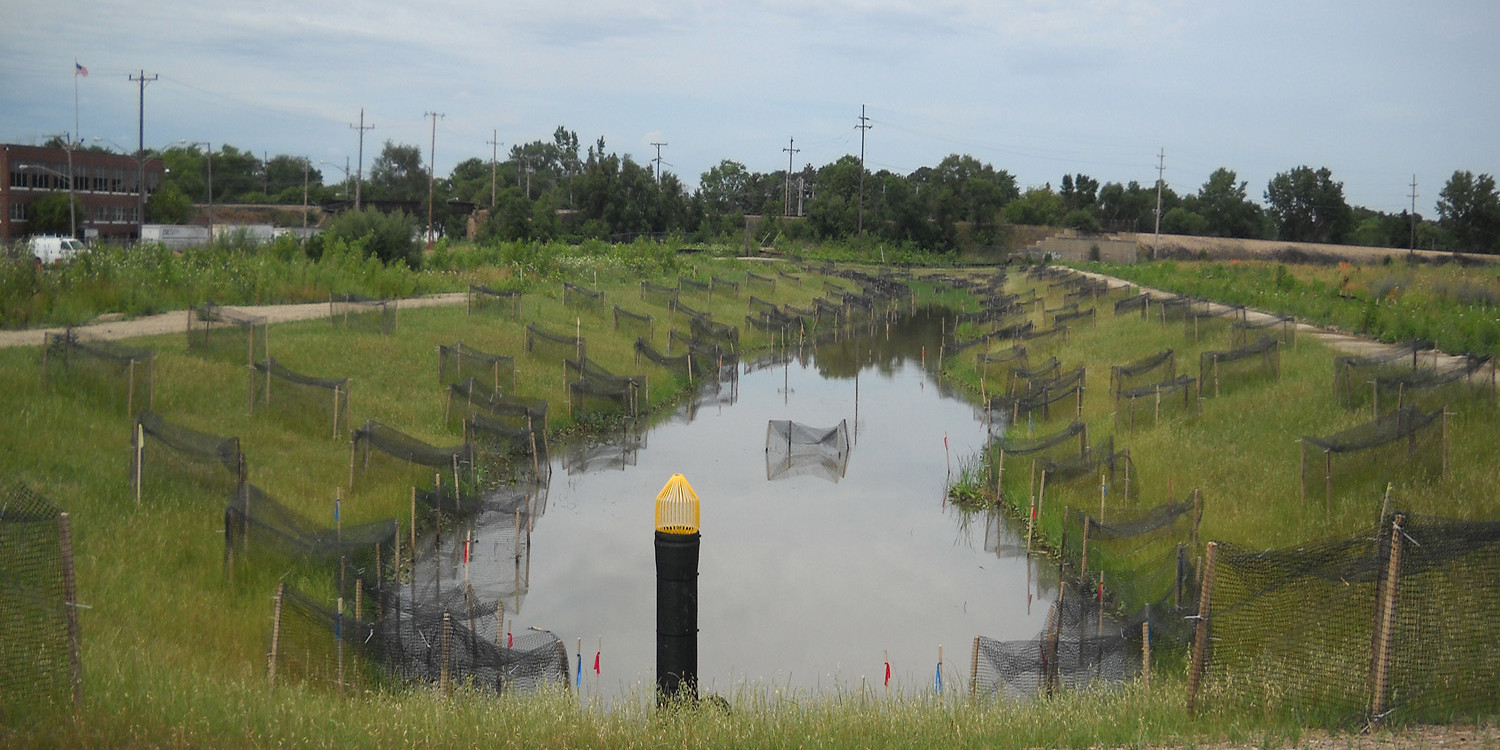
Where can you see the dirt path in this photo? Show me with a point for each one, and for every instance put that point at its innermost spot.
(176, 321)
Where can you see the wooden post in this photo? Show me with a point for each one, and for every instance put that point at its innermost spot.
(1146, 648)
(1302, 468)
(275, 634)
(974, 671)
(1200, 636)
(1445, 442)
(1380, 660)
(338, 637)
(1327, 481)
(137, 436)
(1083, 565)
(70, 607)
(444, 677)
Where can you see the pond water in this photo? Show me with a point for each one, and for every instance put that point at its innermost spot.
(811, 574)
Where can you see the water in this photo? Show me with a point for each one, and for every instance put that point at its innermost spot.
(807, 581)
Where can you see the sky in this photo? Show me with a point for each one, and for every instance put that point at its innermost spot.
(1381, 92)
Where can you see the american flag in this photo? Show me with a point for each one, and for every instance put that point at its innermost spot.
(79, 70)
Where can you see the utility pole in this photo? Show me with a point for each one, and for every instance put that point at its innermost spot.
(494, 142)
(864, 124)
(359, 173)
(265, 173)
(1412, 251)
(658, 162)
(305, 165)
(1161, 165)
(140, 155)
(791, 151)
(431, 172)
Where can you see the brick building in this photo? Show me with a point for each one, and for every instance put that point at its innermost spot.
(105, 186)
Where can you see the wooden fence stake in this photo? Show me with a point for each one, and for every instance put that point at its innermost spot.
(275, 635)
(1380, 661)
(1200, 637)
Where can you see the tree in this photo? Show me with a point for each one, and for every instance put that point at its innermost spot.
(49, 214)
(1469, 212)
(235, 173)
(169, 205)
(398, 174)
(1225, 210)
(284, 176)
(389, 237)
(1308, 206)
(1132, 207)
(1038, 206)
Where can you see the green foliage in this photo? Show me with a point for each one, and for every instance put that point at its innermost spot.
(1308, 205)
(169, 206)
(50, 214)
(390, 238)
(397, 173)
(1469, 212)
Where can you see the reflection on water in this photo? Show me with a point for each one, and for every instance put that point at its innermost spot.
(805, 584)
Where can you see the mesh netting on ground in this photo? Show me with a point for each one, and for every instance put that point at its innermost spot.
(692, 285)
(222, 333)
(459, 362)
(1132, 303)
(1281, 328)
(716, 284)
(453, 461)
(594, 384)
(543, 343)
(304, 402)
(765, 281)
(579, 296)
(1398, 388)
(1352, 373)
(355, 313)
(1153, 368)
(657, 294)
(1402, 441)
(1395, 623)
(257, 524)
(1247, 364)
(1175, 396)
(164, 452)
(1040, 395)
(638, 323)
(794, 449)
(38, 625)
(121, 376)
(316, 643)
(483, 299)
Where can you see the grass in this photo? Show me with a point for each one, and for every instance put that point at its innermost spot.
(174, 652)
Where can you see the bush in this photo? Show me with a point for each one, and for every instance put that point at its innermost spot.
(387, 237)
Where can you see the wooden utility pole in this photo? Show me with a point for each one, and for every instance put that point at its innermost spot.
(359, 169)
(494, 142)
(791, 151)
(431, 172)
(1161, 166)
(864, 125)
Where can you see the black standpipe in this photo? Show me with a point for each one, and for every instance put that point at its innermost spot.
(676, 617)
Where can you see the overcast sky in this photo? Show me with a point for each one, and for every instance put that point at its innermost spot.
(1376, 91)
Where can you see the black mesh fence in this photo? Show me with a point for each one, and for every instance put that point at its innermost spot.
(40, 676)
(721, 285)
(303, 402)
(1151, 369)
(1403, 442)
(355, 313)
(1245, 330)
(760, 281)
(223, 333)
(577, 296)
(1132, 303)
(1459, 378)
(164, 455)
(459, 362)
(326, 644)
(490, 301)
(657, 294)
(1353, 375)
(794, 449)
(1395, 624)
(257, 526)
(1002, 362)
(411, 458)
(549, 345)
(1241, 367)
(1177, 397)
(122, 377)
(642, 325)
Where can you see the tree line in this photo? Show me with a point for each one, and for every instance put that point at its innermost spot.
(558, 188)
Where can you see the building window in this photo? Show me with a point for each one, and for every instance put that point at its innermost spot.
(17, 178)
(17, 211)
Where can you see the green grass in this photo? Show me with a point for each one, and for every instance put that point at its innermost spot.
(174, 653)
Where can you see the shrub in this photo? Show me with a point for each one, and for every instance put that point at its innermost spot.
(387, 237)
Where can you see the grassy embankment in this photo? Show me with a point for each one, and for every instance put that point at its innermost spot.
(1455, 306)
(174, 653)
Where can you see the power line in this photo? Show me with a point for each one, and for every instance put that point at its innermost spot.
(359, 171)
(658, 162)
(140, 188)
(787, 199)
(431, 171)
(864, 125)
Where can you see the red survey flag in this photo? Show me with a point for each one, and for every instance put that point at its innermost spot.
(596, 662)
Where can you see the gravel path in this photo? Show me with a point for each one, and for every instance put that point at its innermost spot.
(109, 327)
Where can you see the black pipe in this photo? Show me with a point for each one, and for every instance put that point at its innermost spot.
(676, 617)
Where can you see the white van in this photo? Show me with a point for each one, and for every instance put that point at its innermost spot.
(48, 249)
